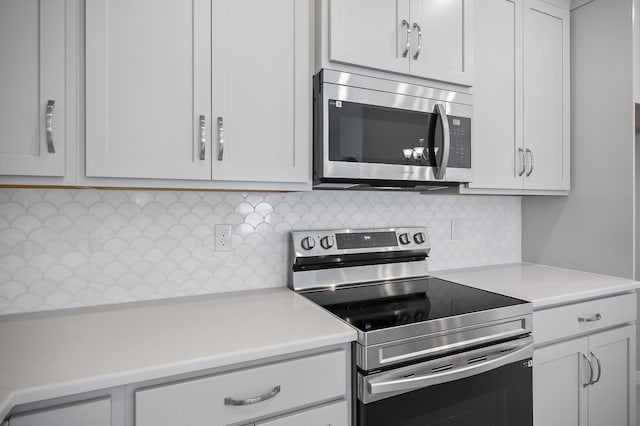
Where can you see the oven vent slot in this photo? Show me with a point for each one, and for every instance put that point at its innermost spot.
(477, 359)
(442, 368)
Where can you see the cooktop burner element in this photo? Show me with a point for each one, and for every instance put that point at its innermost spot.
(377, 280)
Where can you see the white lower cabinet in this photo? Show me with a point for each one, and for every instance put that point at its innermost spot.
(335, 414)
(586, 380)
(242, 396)
(94, 413)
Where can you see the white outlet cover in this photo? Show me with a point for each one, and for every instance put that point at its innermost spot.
(457, 229)
(223, 237)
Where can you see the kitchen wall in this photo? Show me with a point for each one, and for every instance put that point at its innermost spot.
(71, 248)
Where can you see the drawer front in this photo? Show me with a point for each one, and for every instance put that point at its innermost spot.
(268, 390)
(581, 318)
(336, 414)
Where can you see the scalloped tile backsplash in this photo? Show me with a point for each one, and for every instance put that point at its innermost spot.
(72, 248)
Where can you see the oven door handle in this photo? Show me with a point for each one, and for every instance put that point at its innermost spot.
(441, 110)
(416, 382)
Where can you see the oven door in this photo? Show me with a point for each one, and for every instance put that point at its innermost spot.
(491, 386)
(374, 135)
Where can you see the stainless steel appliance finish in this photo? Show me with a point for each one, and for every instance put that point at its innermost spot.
(418, 336)
(407, 156)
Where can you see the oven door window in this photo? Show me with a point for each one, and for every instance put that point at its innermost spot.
(500, 397)
(374, 134)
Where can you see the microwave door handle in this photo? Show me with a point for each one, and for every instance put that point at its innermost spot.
(418, 382)
(446, 137)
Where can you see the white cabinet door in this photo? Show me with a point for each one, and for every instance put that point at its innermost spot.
(446, 51)
(147, 85)
(546, 95)
(370, 33)
(610, 397)
(261, 90)
(497, 120)
(32, 48)
(336, 414)
(559, 372)
(96, 413)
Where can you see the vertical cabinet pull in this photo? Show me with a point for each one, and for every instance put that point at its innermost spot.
(417, 27)
(408, 43)
(522, 161)
(220, 138)
(590, 381)
(49, 126)
(203, 137)
(530, 154)
(254, 400)
(597, 379)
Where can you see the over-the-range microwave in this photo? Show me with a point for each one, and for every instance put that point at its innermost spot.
(372, 132)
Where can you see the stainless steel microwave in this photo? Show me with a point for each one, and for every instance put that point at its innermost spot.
(382, 133)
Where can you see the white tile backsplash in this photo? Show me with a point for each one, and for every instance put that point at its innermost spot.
(71, 248)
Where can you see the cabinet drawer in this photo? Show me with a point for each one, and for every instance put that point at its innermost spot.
(284, 386)
(330, 415)
(564, 321)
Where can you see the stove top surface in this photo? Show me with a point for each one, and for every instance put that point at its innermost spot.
(383, 305)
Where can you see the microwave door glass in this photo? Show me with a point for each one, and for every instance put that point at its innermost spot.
(373, 134)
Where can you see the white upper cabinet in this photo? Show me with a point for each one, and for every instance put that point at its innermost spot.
(497, 121)
(201, 91)
(148, 112)
(546, 95)
(261, 90)
(521, 97)
(32, 87)
(423, 38)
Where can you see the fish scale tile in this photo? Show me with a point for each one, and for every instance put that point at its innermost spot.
(74, 248)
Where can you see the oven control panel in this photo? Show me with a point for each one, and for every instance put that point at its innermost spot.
(346, 241)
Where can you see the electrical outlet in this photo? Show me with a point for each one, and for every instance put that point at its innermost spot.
(457, 229)
(223, 237)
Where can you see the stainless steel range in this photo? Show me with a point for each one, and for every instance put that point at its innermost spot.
(429, 351)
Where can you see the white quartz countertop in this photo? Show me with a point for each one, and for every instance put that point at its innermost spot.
(62, 353)
(545, 286)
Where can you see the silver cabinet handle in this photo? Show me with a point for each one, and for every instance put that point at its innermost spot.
(523, 161)
(416, 26)
(446, 137)
(530, 153)
(220, 138)
(590, 381)
(596, 317)
(49, 126)
(254, 400)
(408, 44)
(597, 379)
(203, 137)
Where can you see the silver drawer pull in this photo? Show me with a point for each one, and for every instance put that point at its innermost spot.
(254, 400)
(417, 27)
(596, 317)
(49, 126)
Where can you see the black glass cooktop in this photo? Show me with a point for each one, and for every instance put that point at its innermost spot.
(393, 303)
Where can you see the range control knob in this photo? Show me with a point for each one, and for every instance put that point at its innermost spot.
(419, 238)
(405, 239)
(326, 242)
(308, 243)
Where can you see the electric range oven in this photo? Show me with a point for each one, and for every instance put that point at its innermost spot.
(429, 351)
